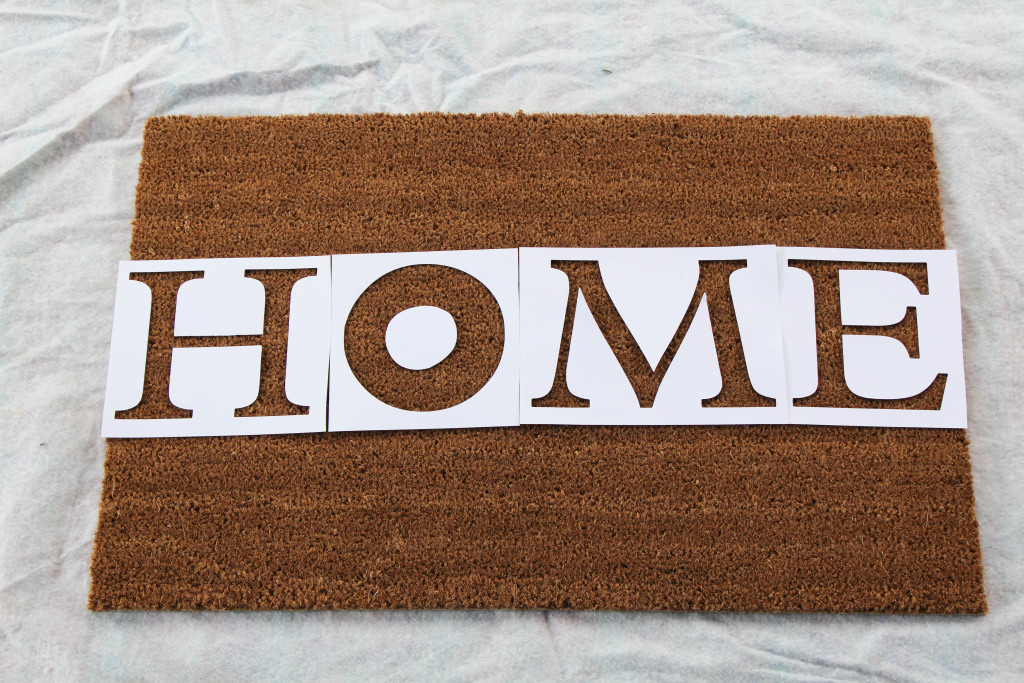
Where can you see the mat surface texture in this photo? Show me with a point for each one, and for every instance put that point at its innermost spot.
(759, 518)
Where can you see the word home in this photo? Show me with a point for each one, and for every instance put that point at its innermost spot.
(665, 336)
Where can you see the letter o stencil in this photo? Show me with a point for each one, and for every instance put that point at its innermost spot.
(455, 379)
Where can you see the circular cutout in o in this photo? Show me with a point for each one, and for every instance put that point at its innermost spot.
(421, 337)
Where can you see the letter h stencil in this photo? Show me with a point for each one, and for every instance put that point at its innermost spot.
(192, 353)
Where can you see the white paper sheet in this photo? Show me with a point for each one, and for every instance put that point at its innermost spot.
(651, 290)
(354, 408)
(876, 366)
(213, 382)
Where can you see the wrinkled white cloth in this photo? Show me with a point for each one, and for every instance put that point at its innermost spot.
(79, 80)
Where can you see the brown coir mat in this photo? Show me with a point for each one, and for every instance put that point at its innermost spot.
(768, 518)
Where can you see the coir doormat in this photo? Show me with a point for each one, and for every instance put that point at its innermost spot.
(766, 518)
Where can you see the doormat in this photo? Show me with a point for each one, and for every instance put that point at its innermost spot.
(790, 518)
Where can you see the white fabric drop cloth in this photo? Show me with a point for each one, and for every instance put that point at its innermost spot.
(79, 80)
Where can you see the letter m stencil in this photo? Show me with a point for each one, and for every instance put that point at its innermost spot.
(651, 336)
